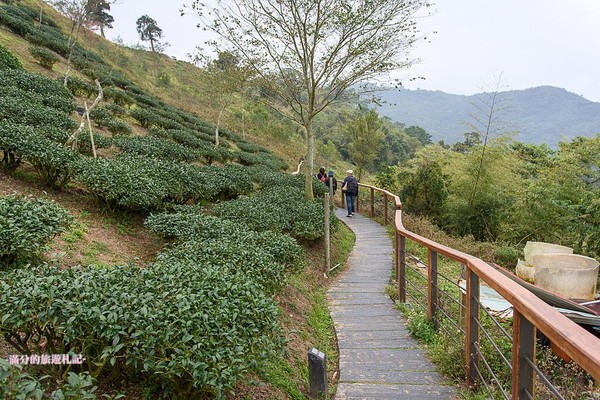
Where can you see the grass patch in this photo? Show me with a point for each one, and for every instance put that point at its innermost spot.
(307, 322)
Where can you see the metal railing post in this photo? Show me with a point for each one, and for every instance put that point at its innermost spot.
(432, 287)
(472, 326)
(523, 348)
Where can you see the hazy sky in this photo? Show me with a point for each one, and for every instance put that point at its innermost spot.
(469, 42)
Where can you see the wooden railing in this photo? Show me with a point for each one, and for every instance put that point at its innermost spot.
(529, 312)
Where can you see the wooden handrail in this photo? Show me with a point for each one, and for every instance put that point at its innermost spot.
(580, 345)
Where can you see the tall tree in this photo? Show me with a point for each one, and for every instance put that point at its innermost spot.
(100, 17)
(309, 52)
(226, 77)
(149, 31)
(79, 12)
(366, 137)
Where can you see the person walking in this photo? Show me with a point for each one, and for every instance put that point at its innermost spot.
(322, 176)
(350, 187)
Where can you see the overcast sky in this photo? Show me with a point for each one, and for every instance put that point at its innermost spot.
(470, 43)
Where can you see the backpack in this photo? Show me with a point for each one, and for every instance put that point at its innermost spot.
(352, 185)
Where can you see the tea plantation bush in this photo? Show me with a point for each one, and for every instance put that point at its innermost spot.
(152, 146)
(45, 57)
(188, 223)
(187, 138)
(261, 158)
(81, 87)
(8, 60)
(38, 89)
(27, 225)
(118, 96)
(51, 160)
(9, 17)
(149, 119)
(194, 328)
(100, 142)
(146, 184)
(279, 209)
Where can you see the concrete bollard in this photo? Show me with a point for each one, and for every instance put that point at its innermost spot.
(317, 373)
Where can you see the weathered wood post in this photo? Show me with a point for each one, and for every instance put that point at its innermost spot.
(326, 210)
(317, 373)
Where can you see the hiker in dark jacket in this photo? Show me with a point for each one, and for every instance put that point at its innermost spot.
(350, 187)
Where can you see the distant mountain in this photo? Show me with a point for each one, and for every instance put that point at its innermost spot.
(542, 114)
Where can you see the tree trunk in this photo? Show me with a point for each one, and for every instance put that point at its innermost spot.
(218, 125)
(102, 31)
(310, 156)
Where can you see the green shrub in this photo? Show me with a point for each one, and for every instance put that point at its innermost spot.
(147, 184)
(116, 126)
(8, 60)
(37, 88)
(105, 116)
(45, 57)
(194, 328)
(278, 209)
(118, 96)
(152, 146)
(16, 384)
(15, 23)
(184, 137)
(26, 112)
(188, 223)
(51, 160)
(150, 118)
(51, 39)
(261, 158)
(81, 87)
(28, 225)
(100, 142)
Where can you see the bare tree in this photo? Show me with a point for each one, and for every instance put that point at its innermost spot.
(225, 77)
(488, 123)
(309, 52)
(79, 12)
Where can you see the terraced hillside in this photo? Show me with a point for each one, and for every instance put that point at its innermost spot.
(147, 260)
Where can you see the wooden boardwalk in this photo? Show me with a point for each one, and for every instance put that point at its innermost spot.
(378, 358)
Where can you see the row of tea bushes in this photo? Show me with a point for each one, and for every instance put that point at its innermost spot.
(190, 326)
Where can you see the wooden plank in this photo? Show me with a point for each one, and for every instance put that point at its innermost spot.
(374, 345)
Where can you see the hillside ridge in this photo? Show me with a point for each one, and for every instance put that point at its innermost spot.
(542, 114)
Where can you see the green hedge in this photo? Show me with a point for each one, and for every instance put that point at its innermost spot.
(37, 89)
(27, 226)
(194, 328)
(8, 60)
(188, 223)
(46, 58)
(155, 147)
(51, 160)
(118, 96)
(150, 119)
(278, 209)
(148, 184)
(51, 39)
(81, 87)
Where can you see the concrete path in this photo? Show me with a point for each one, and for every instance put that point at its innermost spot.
(378, 358)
